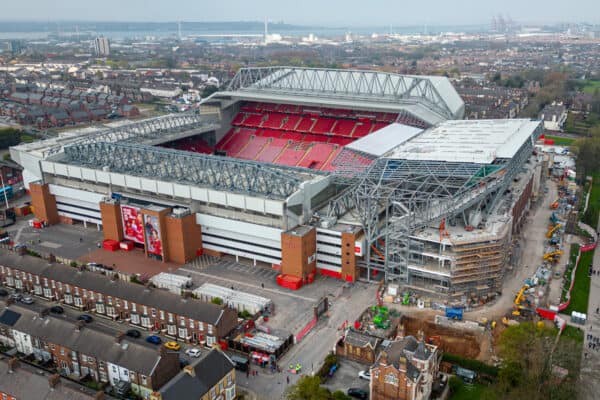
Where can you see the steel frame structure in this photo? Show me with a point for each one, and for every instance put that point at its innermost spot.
(342, 84)
(187, 168)
(145, 130)
(394, 197)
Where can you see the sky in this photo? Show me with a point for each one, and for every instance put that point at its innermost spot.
(333, 13)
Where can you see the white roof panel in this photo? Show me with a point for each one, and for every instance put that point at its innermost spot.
(476, 141)
(380, 142)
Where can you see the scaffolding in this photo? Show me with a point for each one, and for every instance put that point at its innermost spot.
(394, 198)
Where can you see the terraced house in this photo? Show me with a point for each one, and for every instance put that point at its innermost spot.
(83, 353)
(186, 319)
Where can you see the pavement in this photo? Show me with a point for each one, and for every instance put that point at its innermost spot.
(65, 241)
(590, 361)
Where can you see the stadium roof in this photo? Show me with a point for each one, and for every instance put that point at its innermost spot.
(468, 141)
(380, 142)
(430, 98)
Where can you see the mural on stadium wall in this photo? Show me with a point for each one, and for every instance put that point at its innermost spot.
(153, 242)
(133, 224)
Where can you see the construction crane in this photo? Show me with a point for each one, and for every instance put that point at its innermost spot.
(521, 295)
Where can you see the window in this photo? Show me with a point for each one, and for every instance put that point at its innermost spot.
(191, 324)
(182, 333)
(144, 310)
(99, 296)
(133, 307)
(59, 284)
(182, 321)
(391, 379)
(45, 281)
(78, 301)
(210, 340)
(47, 292)
(37, 289)
(144, 380)
(171, 330)
(110, 311)
(67, 288)
(153, 312)
(146, 322)
(109, 300)
(135, 319)
(170, 317)
(68, 299)
(210, 329)
(162, 314)
(83, 358)
(62, 351)
(76, 290)
(53, 285)
(213, 393)
(84, 293)
(114, 369)
(37, 279)
(229, 378)
(220, 386)
(100, 308)
(230, 393)
(125, 304)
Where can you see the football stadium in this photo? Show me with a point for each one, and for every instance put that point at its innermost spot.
(357, 175)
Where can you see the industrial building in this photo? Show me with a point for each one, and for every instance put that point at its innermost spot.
(351, 174)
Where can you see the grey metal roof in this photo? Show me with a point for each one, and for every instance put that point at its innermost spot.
(380, 142)
(159, 299)
(360, 339)
(434, 93)
(9, 317)
(208, 370)
(87, 341)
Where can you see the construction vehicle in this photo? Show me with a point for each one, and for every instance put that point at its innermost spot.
(554, 205)
(454, 313)
(552, 230)
(553, 256)
(509, 322)
(521, 295)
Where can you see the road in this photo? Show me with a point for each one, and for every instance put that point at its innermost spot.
(311, 351)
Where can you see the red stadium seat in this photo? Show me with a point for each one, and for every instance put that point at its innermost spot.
(305, 124)
(252, 148)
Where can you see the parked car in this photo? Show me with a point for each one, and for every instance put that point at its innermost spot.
(133, 333)
(172, 346)
(366, 375)
(3, 292)
(57, 310)
(154, 339)
(193, 352)
(183, 362)
(85, 318)
(358, 393)
(16, 296)
(26, 300)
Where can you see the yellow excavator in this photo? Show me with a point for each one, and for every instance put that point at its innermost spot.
(552, 230)
(553, 255)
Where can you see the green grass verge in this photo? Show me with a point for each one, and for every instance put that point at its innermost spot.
(561, 141)
(27, 138)
(591, 86)
(593, 211)
(465, 391)
(581, 290)
(571, 332)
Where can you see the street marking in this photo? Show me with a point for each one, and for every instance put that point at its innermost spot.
(51, 245)
(248, 284)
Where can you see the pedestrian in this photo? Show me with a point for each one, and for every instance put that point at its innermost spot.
(80, 240)
(287, 378)
(597, 310)
(262, 285)
(247, 372)
(585, 355)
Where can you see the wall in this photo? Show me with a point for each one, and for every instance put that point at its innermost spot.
(112, 223)
(298, 252)
(44, 204)
(184, 238)
(348, 256)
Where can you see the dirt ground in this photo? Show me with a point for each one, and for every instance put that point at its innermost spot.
(456, 341)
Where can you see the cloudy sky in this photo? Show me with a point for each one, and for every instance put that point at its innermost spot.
(338, 13)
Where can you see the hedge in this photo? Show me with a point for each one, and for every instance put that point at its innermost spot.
(473, 365)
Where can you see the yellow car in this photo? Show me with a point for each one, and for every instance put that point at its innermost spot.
(172, 346)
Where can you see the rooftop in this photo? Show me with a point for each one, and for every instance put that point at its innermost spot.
(200, 311)
(469, 141)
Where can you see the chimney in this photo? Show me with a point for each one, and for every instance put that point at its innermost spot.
(53, 380)
(383, 358)
(188, 369)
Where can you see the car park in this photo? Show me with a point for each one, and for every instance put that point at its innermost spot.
(154, 339)
(85, 318)
(57, 310)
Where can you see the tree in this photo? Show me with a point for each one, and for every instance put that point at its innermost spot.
(309, 388)
(587, 150)
(9, 137)
(217, 300)
(529, 353)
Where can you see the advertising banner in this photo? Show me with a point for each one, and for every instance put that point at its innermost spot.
(133, 224)
(153, 242)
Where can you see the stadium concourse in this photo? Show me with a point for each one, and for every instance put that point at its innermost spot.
(351, 174)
